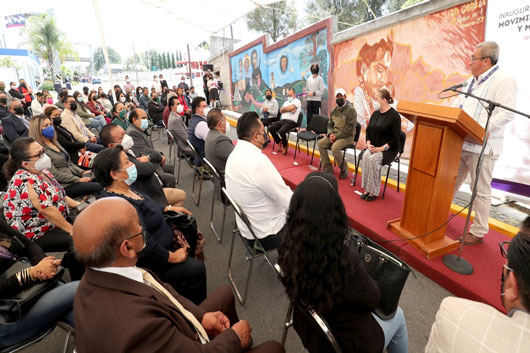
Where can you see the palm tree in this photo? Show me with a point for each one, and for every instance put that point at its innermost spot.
(45, 39)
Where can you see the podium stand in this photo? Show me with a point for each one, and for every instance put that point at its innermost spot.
(439, 134)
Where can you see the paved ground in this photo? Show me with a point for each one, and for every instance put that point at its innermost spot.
(267, 303)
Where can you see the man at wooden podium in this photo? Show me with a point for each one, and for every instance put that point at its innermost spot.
(490, 82)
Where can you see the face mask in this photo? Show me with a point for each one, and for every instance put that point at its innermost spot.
(180, 109)
(377, 105)
(80, 99)
(48, 132)
(13, 87)
(3, 100)
(2, 87)
(49, 100)
(144, 124)
(57, 121)
(132, 173)
(73, 106)
(206, 111)
(339, 101)
(43, 163)
(227, 127)
(314, 71)
(122, 99)
(269, 97)
(127, 142)
(123, 114)
(290, 99)
(19, 110)
(156, 80)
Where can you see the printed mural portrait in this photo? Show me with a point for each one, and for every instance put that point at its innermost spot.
(414, 60)
(278, 69)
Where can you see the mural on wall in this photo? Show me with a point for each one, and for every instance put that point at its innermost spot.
(414, 60)
(256, 69)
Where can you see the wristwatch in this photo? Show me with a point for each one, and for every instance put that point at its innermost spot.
(386, 147)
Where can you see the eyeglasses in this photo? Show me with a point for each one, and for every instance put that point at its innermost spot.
(480, 58)
(38, 154)
(142, 233)
(504, 248)
(508, 270)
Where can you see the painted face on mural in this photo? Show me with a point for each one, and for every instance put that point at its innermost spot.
(254, 59)
(283, 63)
(377, 73)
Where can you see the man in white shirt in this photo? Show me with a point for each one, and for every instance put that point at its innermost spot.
(198, 127)
(255, 184)
(156, 85)
(36, 104)
(491, 83)
(123, 308)
(465, 326)
(290, 110)
(269, 109)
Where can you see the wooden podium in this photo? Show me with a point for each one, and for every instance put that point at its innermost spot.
(439, 134)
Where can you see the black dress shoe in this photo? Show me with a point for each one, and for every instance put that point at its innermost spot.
(370, 198)
(363, 196)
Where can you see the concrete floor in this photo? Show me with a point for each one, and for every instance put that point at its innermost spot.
(266, 304)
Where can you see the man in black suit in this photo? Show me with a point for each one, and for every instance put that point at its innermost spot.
(17, 124)
(144, 147)
(163, 83)
(218, 146)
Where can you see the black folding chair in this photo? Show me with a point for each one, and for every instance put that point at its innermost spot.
(218, 184)
(33, 340)
(198, 174)
(319, 124)
(313, 330)
(293, 129)
(256, 251)
(402, 141)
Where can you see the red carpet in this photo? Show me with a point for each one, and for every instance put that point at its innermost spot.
(370, 218)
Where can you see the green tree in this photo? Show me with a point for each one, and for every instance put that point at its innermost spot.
(168, 61)
(276, 19)
(348, 12)
(164, 63)
(47, 41)
(410, 3)
(99, 58)
(173, 66)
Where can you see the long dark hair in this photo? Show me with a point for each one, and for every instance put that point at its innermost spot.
(313, 256)
(17, 154)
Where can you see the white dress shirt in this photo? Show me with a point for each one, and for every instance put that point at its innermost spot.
(201, 130)
(129, 272)
(36, 107)
(292, 115)
(258, 188)
(500, 88)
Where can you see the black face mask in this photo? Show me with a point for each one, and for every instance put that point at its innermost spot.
(314, 71)
(19, 110)
(268, 96)
(3, 100)
(57, 121)
(339, 101)
(73, 106)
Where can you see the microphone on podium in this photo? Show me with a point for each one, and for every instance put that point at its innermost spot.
(452, 88)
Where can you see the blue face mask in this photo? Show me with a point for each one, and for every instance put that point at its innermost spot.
(290, 99)
(144, 124)
(48, 132)
(132, 173)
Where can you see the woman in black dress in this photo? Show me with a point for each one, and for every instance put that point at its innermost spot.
(383, 141)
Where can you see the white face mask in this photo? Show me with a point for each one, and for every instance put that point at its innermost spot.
(377, 105)
(180, 109)
(206, 111)
(127, 142)
(227, 127)
(122, 99)
(44, 162)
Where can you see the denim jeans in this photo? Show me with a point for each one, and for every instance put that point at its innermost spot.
(98, 122)
(56, 305)
(395, 331)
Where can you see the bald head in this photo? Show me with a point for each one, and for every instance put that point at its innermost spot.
(100, 230)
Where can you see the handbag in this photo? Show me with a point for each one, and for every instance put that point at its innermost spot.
(14, 308)
(86, 160)
(387, 270)
(186, 233)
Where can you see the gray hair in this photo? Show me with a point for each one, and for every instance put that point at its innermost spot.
(12, 100)
(489, 50)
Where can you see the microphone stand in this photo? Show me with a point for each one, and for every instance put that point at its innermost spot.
(456, 262)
